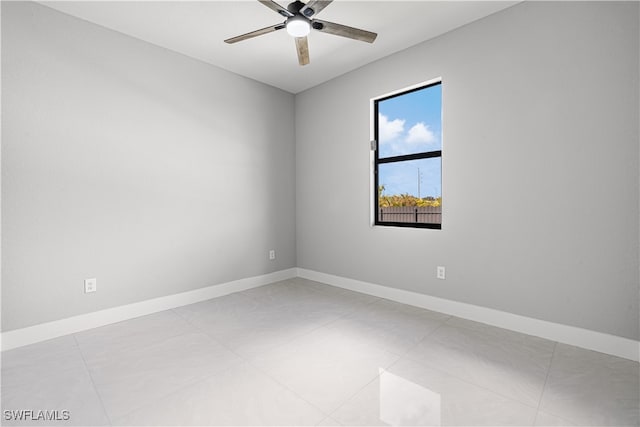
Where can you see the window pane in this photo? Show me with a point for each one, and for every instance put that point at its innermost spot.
(410, 123)
(410, 191)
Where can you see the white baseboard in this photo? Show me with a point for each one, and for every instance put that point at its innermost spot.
(57, 328)
(584, 338)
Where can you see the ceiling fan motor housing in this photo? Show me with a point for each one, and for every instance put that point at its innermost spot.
(294, 7)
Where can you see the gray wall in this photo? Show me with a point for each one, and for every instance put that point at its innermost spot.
(123, 161)
(540, 168)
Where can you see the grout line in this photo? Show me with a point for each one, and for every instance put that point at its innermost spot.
(159, 340)
(180, 389)
(286, 387)
(93, 384)
(360, 307)
(546, 380)
(427, 365)
(354, 394)
(247, 359)
(151, 342)
(205, 332)
(377, 377)
(296, 337)
(459, 378)
(332, 420)
(319, 325)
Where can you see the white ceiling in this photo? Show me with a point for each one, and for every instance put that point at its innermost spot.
(198, 28)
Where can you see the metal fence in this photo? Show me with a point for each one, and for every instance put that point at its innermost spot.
(415, 214)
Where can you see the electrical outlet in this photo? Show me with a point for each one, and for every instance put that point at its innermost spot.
(90, 285)
(440, 273)
(272, 254)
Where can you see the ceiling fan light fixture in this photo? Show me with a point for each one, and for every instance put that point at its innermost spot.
(297, 26)
(300, 19)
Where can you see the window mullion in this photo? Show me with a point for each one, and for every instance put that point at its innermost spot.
(415, 156)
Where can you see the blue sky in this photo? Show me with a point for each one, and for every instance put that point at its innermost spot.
(409, 124)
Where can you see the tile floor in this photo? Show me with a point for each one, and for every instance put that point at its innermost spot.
(299, 352)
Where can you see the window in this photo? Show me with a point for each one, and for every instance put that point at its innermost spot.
(407, 157)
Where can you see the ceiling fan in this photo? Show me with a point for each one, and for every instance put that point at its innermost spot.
(299, 22)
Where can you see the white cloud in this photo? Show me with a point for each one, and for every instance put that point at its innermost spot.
(389, 130)
(421, 134)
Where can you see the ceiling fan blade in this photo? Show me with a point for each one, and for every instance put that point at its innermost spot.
(314, 7)
(302, 46)
(275, 6)
(255, 33)
(344, 31)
